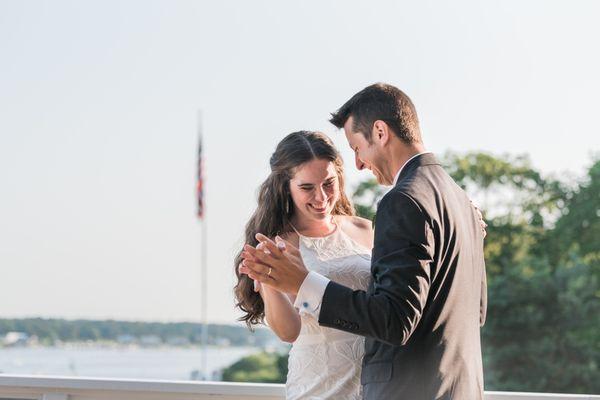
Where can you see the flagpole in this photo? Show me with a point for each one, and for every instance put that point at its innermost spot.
(203, 254)
(204, 277)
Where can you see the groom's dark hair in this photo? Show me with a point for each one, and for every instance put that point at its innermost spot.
(384, 102)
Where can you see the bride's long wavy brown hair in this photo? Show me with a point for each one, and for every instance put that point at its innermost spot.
(275, 207)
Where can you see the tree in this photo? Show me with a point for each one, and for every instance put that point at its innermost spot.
(261, 367)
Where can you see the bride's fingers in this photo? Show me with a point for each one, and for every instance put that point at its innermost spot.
(268, 244)
(287, 246)
(242, 269)
(260, 256)
(263, 247)
(254, 268)
(247, 256)
(260, 273)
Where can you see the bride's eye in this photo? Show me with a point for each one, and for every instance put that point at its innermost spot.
(329, 183)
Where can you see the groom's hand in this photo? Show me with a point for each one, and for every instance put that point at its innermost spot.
(276, 264)
(482, 222)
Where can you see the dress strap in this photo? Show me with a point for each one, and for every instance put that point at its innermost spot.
(294, 228)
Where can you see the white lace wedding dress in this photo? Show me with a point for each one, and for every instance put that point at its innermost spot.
(325, 363)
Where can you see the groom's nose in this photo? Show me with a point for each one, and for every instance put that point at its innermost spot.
(359, 164)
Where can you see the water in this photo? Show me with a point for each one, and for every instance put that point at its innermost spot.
(137, 363)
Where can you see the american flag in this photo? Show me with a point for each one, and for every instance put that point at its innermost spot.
(200, 183)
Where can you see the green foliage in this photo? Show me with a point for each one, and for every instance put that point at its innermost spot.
(508, 185)
(581, 220)
(366, 196)
(261, 367)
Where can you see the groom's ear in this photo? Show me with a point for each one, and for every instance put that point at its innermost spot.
(381, 132)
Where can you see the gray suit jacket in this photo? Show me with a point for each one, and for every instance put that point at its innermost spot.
(427, 300)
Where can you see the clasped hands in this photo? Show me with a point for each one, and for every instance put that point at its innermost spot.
(277, 264)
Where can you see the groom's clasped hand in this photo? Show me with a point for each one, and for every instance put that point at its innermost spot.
(274, 262)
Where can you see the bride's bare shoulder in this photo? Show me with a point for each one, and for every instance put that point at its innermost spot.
(355, 222)
(358, 228)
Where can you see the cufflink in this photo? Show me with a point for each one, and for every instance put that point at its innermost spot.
(305, 304)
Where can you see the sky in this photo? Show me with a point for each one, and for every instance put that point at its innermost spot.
(98, 125)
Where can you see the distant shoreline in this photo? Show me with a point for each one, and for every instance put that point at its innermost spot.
(113, 345)
(111, 333)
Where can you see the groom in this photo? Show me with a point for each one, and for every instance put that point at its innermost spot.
(423, 310)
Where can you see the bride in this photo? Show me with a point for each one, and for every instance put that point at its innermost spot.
(303, 201)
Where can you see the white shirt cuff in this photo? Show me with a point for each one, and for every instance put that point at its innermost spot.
(311, 293)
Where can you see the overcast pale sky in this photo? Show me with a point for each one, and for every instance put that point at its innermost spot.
(98, 105)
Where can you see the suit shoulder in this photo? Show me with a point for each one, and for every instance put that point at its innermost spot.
(399, 195)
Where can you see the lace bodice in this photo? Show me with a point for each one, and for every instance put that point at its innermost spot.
(325, 363)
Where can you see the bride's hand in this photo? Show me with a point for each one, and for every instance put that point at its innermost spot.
(256, 284)
(482, 222)
(280, 267)
(292, 254)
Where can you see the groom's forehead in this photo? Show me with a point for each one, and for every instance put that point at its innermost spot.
(348, 131)
(349, 125)
(353, 137)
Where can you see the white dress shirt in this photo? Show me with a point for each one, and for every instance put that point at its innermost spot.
(310, 294)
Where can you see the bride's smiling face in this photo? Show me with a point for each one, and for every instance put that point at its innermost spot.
(315, 189)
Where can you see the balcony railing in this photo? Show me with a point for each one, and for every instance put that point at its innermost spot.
(69, 388)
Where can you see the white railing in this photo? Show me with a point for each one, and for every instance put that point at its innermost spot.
(69, 388)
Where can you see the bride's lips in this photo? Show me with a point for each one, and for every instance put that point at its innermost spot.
(318, 210)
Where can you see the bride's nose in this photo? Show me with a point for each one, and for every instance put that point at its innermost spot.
(320, 194)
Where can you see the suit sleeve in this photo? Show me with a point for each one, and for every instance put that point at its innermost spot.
(401, 262)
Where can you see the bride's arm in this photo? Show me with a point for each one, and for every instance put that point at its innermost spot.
(281, 316)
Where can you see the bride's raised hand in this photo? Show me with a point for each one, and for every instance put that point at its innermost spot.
(281, 267)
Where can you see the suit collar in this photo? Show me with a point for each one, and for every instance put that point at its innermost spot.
(426, 158)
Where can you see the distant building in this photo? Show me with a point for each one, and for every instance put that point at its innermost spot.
(150, 340)
(178, 341)
(126, 339)
(15, 339)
